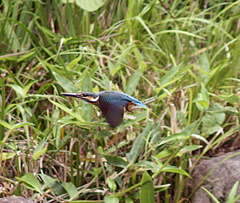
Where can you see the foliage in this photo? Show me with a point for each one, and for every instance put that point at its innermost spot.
(181, 58)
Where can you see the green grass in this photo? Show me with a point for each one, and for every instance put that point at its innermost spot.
(181, 59)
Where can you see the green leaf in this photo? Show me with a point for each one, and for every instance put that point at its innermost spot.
(111, 184)
(27, 87)
(128, 200)
(202, 100)
(164, 153)
(214, 117)
(17, 89)
(71, 189)
(211, 195)
(116, 160)
(6, 125)
(231, 98)
(66, 84)
(39, 153)
(205, 67)
(137, 117)
(147, 189)
(89, 5)
(30, 182)
(40, 149)
(191, 148)
(19, 125)
(146, 27)
(147, 165)
(52, 183)
(113, 67)
(138, 144)
(69, 111)
(133, 82)
(87, 109)
(174, 169)
(74, 62)
(29, 54)
(14, 126)
(111, 199)
(233, 192)
(169, 76)
(5, 156)
(174, 137)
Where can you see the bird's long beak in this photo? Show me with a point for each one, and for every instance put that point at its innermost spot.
(69, 94)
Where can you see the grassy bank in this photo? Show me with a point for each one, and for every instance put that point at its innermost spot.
(180, 58)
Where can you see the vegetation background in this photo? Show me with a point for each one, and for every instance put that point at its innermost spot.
(181, 58)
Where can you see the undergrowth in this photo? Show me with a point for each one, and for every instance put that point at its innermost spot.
(180, 58)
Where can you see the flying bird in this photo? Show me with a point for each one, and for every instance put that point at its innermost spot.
(111, 103)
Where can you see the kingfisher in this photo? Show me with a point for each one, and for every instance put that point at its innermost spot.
(111, 104)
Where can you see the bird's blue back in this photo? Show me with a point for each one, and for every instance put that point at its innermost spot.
(116, 97)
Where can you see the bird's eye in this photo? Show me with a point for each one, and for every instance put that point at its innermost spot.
(84, 95)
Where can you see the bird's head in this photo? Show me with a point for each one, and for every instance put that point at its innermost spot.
(89, 97)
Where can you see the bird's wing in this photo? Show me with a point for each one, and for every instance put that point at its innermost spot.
(112, 111)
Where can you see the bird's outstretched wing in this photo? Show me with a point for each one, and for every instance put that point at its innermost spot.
(113, 114)
(112, 109)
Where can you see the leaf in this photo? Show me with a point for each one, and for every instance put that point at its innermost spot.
(19, 125)
(164, 153)
(71, 189)
(174, 169)
(17, 89)
(128, 200)
(90, 5)
(6, 125)
(5, 156)
(116, 160)
(231, 98)
(233, 193)
(202, 100)
(137, 117)
(174, 137)
(214, 117)
(111, 184)
(27, 87)
(53, 184)
(146, 27)
(191, 148)
(133, 82)
(40, 149)
(74, 62)
(111, 199)
(65, 83)
(30, 182)
(211, 195)
(14, 126)
(69, 111)
(138, 144)
(200, 138)
(167, 77)
(86, 84)
(27, 55)
(113, 67)
(147, 189)
(205, 67)
(147, 165)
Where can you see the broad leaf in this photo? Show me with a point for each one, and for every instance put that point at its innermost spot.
(147, 189)
(30, 182)
(116, 160)
(139, 144)
(71, 189)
